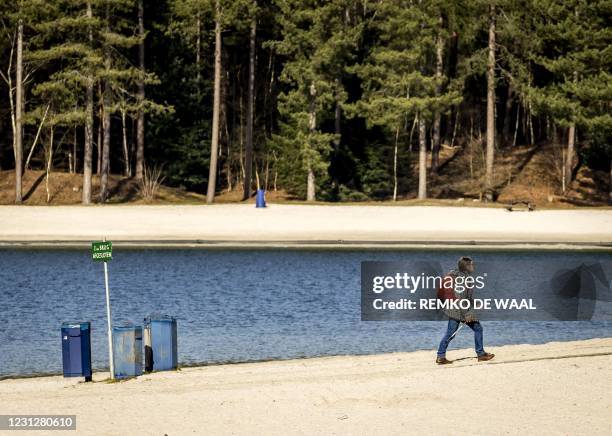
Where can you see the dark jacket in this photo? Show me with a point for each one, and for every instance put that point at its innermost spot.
(463, 315)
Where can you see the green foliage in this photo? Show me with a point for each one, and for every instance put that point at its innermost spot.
(298, 148)
(346, 194)
(59, 47)
(575, 50)
(317, 43)
(398, 75)
(337, 82)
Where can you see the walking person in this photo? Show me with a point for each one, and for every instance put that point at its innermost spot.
(459, 290)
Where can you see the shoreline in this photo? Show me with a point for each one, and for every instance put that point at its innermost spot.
(535, 385)
(103, 372)
(603, 247)
(305, 226)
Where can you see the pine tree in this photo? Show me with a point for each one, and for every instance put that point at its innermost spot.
(89, 105)
(400, 77)
(15, 18)
(490, 156)
(317, 45)
(65, 99)
(329, 99)
(189, 15)
(574, 49)
(214, 142)
(19, 112)
(141, 96)
(248, 160)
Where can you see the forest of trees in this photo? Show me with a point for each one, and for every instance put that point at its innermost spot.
(328, 100)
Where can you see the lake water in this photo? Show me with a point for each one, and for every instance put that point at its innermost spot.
(235, 305)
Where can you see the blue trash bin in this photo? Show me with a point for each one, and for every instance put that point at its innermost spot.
(260, 200)
(76, 349)
(127, 350)
(160, 341)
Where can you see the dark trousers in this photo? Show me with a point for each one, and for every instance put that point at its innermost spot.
(452, 327)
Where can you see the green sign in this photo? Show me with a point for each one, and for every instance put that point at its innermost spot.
(101, 251)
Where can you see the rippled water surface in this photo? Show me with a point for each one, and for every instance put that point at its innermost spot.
(234, 305)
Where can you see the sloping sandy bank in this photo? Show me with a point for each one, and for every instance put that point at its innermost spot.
(555, 388)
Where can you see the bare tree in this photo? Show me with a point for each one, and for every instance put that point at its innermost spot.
(248, 165)
(49, 162)
(140, 124)
(127, 170)
(198, 48)
(422, 159)
(490, 106)
(435, 146)
(8, 78)
(569, 158)
(18, 113)
(100, 129)
(397, 130)
(310, 184)
(214, 143)
(87, 153)
(505, 136)
(571, 142)
(106, 122)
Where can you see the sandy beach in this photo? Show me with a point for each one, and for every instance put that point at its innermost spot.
(303, 224)
(555, 388)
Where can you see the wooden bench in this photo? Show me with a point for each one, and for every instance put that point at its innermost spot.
(520, 206)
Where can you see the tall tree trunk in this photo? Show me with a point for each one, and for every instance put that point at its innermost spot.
(87, 153)
(435, 146)
(100, 129)
(422, 159)
(224, 137)
(49, 162)
(140, 123)
(337, 123)
(267, 172)
(571, 140)
(490, 107)
(126, 154)
(106, 122)
(257, 183)
(241, 132)
(337, 116)
(198, 48)
(74, 151)
(397, 130)
(70, 155)
(9, 81)
(310, 183)
(569, 158)
(214, 143)
(105, 168)
(248, 164)
(452, 72)
(18, 114)
(505, 139)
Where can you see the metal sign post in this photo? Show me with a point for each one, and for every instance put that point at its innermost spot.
(103, 252)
